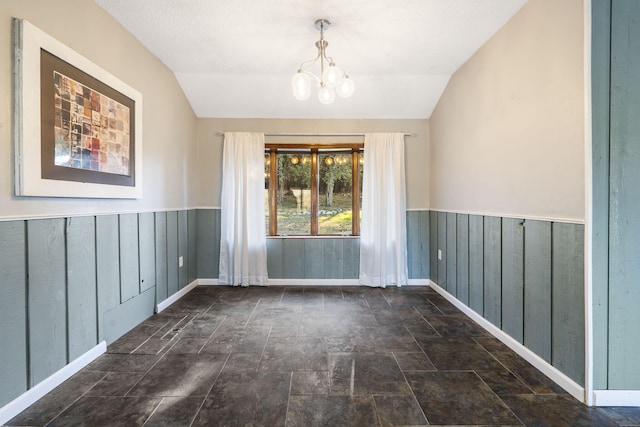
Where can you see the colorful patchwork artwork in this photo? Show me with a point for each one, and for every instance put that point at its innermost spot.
(91, 129)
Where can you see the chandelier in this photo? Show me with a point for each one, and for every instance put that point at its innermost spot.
(332, 80)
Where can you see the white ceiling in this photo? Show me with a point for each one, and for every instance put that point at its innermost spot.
(235, 58)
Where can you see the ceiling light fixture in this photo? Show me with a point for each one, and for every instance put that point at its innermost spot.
(332, 80)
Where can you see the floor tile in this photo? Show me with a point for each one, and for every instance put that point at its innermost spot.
(361, 373)
(242, 362)
(47, 408)
(123, 362)
(115, 384)
(458, 354)
(309, 383)
(99, 411)
(239, 399)
(458, 398)
(504, 382)
(180, 375)
(237, 340)
(320, 411)
(294, 354)
(414, 362)
(555, 410)
(188, 345)
(399, 411)
(175, 411)
(456, 326)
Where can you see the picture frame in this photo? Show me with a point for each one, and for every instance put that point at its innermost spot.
(77, 128)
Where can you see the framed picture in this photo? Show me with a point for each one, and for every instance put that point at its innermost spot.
(77, 128)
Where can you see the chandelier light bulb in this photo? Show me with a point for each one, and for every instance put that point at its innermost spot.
(301, 84)
(326, 95)
(345, 88)
(330, 79)
(332, 76)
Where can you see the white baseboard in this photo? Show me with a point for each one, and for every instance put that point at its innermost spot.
(175, 297)
(573, 388)
(36, 392)
(209, 282)
(313, 282)
(418, 282)
(616, 397)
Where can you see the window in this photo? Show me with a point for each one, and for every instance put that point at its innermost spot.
(313, 189)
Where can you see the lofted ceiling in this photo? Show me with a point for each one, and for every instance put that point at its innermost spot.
(235, 58)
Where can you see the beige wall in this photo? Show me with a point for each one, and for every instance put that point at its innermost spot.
(169, 124)
(210, 149)
(507, 136)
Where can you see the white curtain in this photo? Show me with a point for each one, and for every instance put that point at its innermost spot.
(243, 243)
(383, 235)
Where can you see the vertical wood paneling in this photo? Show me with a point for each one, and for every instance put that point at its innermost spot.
(183, 249)
(351, 253)
(492, 270)
(600, 92)
(333, 259)
(537, 288)
(476, 263)
(424, 245)
(216, 243)
(147, 243)
(313, 258)
(172, 252)
(13, 314)
(568, 300)
(206, 240)
(107, 266)
(161, 256)
(442, 249)
(413, 244)
(452, 269)
(293, 260)
(275, 258)
(513, 278)
(129, 262)
(462, 257)
(433, 246)
(624, 200)
(47, 298)
(192, 228)
(81, 285)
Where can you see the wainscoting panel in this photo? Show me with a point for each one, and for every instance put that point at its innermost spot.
(418, 230)
(441, 252)
(183, 250)
(13, 315)
(567, 272)
(129, 263)
(172, 253)
(462, 257)
(493, 270)
(162, 283)
(81, 285)
(513, 278)
(451, 254)
(207, 242)
(147, 244)
(68, 283)
(524, 276)
(537, 289)
(476, 263)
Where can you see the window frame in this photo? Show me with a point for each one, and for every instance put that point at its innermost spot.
(314, 150)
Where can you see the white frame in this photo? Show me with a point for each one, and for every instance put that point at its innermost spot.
(28, 40)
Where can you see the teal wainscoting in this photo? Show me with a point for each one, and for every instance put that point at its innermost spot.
(311, 258)
(524, 276)
(67, 284)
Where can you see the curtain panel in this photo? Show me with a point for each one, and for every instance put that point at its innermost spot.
(383, 233)
(243, 243)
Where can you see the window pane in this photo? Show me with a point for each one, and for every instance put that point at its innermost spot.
(294, 194)
(336, 192)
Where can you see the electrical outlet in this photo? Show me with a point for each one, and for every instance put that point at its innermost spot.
(440, 254)
(180, 262)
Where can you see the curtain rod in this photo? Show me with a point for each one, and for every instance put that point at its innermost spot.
(317, 134)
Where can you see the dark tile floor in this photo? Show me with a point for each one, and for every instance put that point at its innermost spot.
(303, 356)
